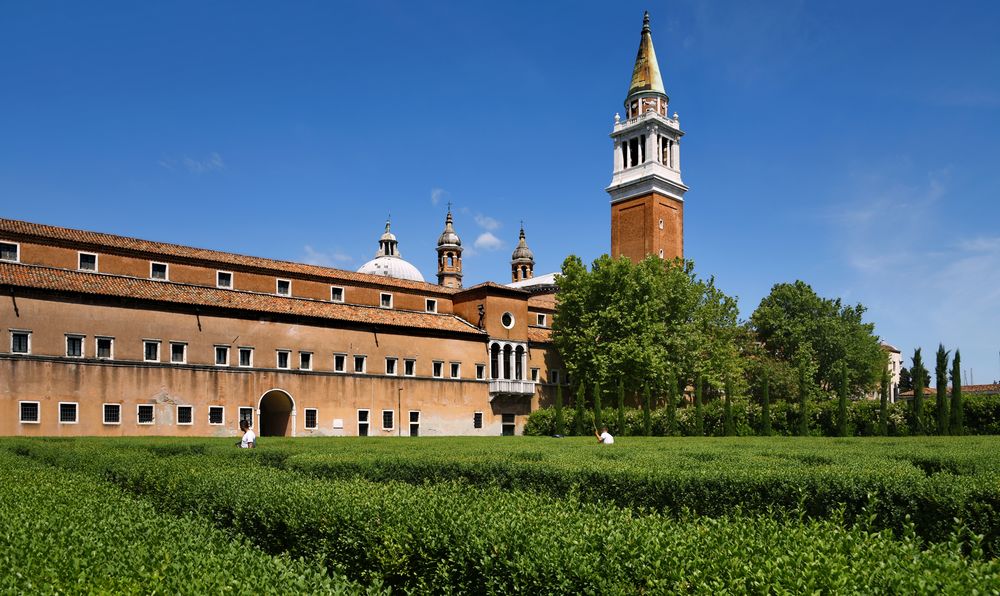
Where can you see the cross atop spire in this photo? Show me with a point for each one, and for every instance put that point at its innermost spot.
(646, 72)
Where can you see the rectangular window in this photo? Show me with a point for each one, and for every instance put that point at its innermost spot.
(246, 357)
(385, 300)
(554, 376)
(388, 420)
(222, 355)
(9, 252)
(363, 423)
(359, 364)
(87, 261)
(20, 342)
(508, 427)
(185, 414)
(409, 367)
(312, 418)
(246, 414)
(414, 423)
(144, 413)
(178, 352)
(158, 271)
(67, 412)
(224, 279)
(29, 412)
(336, 294)
(112, 413)
(456, 370)
(541, 320)
(151, 351)
(284, 287)
(390, 366)
(216, 415)
(74, 346)
(305, 361)
(105, 347)
(438, 370)
(340, 363)
(431, 305)
(284, 356)
(534, 374)
(480, 371)
(477, 420)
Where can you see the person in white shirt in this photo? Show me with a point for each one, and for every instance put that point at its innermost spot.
(249, 440)
(604, 437)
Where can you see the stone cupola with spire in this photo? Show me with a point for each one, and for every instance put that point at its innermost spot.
(522, 260)
(449, 254)
(388, 261)
(647, 193)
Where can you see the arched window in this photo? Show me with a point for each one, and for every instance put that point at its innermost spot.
(506, 362)
(451, 260)
(519, 363)
(495, 361)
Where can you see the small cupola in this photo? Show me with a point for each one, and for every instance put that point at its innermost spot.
(522, 260)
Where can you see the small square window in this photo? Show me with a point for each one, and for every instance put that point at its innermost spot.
(312, 418)
(20, 342)
(74, 346)
(438, 370)
(305, 361)
(224, 279)
(284, 287)
(30, 412)
(105, 347)
(88, 261)
(340, 363)
(151, 351)
(477, 420)
(67, 412)
(359, 364)
(144, 413)
(431, 305)
(541, 320)
(390, 366)
(112, 413)
(9, 251)
(246, 357)
(185, 414)
(246, 415)
(534, 374)
(222, 355)
(283, 359)
(388, 420)
(158, 271)
(216, 415)
(554, 376)
(480, 371)
(363, 423)
(178, 352)
(409, 367)
(456, 370)
(336, 294)
(385, 300)
(507, 425)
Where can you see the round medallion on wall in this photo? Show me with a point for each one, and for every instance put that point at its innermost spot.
(507, 320)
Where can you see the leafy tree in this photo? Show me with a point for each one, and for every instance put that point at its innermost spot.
(765, 408)
(621, 407)
(581, 397)
(699, 414)
(793, 315)
(842, 403)
(956, 396)
(918, 393)
(941, 374)
(728, 409)
(806, 367)
(671, 405)
(598, 419)
(560, 421)
(905, 381)
(883, 406)
(647, 421)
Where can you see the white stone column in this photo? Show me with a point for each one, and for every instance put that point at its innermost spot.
(677, 155)
(619, 165)
(650, 143)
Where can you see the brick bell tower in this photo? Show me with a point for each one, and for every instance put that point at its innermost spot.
(647, 194)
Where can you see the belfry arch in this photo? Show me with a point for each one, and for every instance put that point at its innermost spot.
(276, 414)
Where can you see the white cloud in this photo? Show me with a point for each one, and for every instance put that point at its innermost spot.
(487, 241)
(311, 256)
(212, 163)
(486, 222)
(437, 194)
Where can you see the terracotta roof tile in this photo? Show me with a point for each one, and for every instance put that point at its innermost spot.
(540, 335)
(542, 301)
(46, 278)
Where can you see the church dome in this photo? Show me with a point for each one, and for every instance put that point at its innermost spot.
(389, 262)
(448, 237)
(522, 252)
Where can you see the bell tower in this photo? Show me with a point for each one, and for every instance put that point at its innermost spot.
(647, 194)
(449, 252)
(522, 260)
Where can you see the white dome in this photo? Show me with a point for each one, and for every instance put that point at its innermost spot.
(391, 267)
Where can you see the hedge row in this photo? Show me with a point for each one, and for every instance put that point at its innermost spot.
(450, 538)
(63, 532)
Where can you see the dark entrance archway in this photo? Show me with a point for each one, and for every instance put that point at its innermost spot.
(277, 414)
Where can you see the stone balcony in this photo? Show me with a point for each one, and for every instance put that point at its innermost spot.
(511, 387)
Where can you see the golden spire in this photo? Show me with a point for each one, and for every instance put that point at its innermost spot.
(646, 74)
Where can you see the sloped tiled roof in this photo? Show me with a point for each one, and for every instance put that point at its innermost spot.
(47, 278)
(540, 335)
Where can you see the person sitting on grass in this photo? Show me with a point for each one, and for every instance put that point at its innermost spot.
(604, 437)
(249, 440)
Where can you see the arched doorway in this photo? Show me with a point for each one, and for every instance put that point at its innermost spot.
(276, 414)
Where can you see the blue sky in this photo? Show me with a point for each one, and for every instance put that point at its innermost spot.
(852, 145)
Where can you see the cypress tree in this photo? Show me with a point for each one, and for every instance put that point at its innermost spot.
(699, 415)
(842, 403)
(597, 406)
(560, 423)
(581, 396)
(728, 428)
(941, 374)
(917, 370)
(956, 395)
(671, 405)
(803, 402)
(647, 421)
(883, 406)
(621, 407)
(765, 409)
